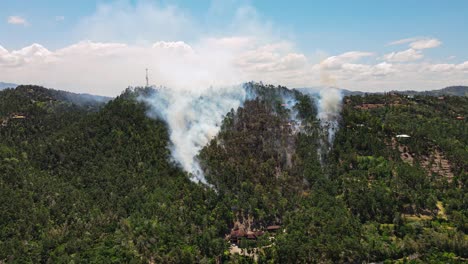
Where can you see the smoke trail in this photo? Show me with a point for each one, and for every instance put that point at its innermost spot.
(194, 117)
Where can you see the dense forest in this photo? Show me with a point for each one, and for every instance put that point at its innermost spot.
(88, 180)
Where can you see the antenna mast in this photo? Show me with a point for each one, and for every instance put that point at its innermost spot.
(147, 80)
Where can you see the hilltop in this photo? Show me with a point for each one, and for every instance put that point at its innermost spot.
(96, 180)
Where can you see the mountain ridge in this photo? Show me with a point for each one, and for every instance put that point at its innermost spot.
(85, 182)
(455, 90)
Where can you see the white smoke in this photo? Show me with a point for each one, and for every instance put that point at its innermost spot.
(290, 102)
(193, 117)
(329, 107)
(329, 104)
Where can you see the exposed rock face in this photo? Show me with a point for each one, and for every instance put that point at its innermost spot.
(436, 162)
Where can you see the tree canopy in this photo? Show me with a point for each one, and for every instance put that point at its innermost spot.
(91, 180)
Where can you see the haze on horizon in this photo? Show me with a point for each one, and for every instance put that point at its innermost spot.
(100, 47)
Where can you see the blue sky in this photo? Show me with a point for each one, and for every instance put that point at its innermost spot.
(335, 26)
(314, 29)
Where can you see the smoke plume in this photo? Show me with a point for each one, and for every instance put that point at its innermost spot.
(329, 108)
(329, 103)
(193, 117)
(289, 102)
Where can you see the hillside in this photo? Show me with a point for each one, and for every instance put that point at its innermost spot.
(90, 180)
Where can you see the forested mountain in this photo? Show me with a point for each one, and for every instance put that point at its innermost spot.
(93, 181)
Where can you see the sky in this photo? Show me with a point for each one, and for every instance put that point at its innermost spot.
(101, 47)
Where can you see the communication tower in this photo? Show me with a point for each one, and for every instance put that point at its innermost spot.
(147, 79)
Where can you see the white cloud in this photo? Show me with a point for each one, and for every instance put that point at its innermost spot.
(443, 67)
(425, 44)
(107, 68)
(59, 18)
(383, 69)
(3, 51)
(6, 58)
(414, 53)
(17, 58)
(403, 41)
(125, 39)
(403, 56)
(17, 20)
(462, 66)
(418, 43)
(34, 50)
(178, 47)
(89, 48)
(365, 72)
(336, 62)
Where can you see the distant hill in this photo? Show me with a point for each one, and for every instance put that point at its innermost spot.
(455, 90)
(32, 91)
(349, 92)
(317, 90)
(81, 98)
(4, 85)
(451, 90)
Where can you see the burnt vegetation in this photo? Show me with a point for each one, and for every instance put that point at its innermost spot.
(91, 180)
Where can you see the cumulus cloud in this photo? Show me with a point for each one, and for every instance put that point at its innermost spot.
(17, 20)
(414, 53)
(17, 58)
